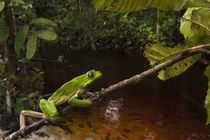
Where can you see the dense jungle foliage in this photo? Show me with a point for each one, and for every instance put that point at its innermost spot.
(78, 26)
(82, 26)
(30, 25)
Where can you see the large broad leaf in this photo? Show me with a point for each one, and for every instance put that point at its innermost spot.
(178, 68)
(185, 26)
(157, 54)
(43, 22)
(31, 46)
(136, 5)
(2, 4)
(2, 65)
(20, 38)
(46, 34)
(207, 100)
(4, 30)
(195, 25)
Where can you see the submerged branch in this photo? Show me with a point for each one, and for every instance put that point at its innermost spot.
(133, 80)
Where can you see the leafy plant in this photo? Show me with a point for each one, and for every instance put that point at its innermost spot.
(157, 54)
(26, 102)
(81, 30)
(20, 38)
(30, 29)
(42, 24)
(194, 26)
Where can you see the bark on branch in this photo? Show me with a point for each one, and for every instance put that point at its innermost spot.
(136, 79)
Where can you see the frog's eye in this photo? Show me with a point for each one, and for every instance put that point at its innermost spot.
(90, 74)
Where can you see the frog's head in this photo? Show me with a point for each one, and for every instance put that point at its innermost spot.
(89, 77)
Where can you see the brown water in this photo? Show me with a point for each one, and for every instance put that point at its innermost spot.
(153, 110)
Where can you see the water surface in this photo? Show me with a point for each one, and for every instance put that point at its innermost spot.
(152, 110)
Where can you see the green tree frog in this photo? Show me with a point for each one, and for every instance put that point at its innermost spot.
(67, 93)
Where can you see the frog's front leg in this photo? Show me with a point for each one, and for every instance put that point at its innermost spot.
(77, 102)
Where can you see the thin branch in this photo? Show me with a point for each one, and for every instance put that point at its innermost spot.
(180, 51)
(133, 80)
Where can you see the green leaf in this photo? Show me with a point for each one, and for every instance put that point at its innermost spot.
(178, 68)
(20, 38)
(185, 26)
(2, 65)
(195, 25)
(46, 34)
(31, 46)
(207, 100)
(136, 5)
(2, 91)
(157, 54)
(43, 22)
(2, 4)
(4, 30)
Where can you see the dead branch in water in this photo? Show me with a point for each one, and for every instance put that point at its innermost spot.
(136, 79)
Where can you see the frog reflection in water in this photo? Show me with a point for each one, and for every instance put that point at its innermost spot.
(66, 93)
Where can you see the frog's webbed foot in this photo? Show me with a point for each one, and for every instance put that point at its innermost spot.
(29, 113)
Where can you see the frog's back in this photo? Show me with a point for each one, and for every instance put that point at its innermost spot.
(66, 89)
(75, 84)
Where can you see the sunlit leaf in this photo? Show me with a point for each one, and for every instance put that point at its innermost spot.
(178, 68)
(31, 46)
(185, 26)
(195, 25)
(207, 100)
(136, 5)
(4, 30)
(2, 65)
(20, 38)
(43, 22)
(2, 4)
(157, 54)
(46, 34)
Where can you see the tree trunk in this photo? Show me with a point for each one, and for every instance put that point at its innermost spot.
(9, 54)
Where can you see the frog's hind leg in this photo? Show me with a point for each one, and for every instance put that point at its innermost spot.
(29, 113)
(77, 102)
